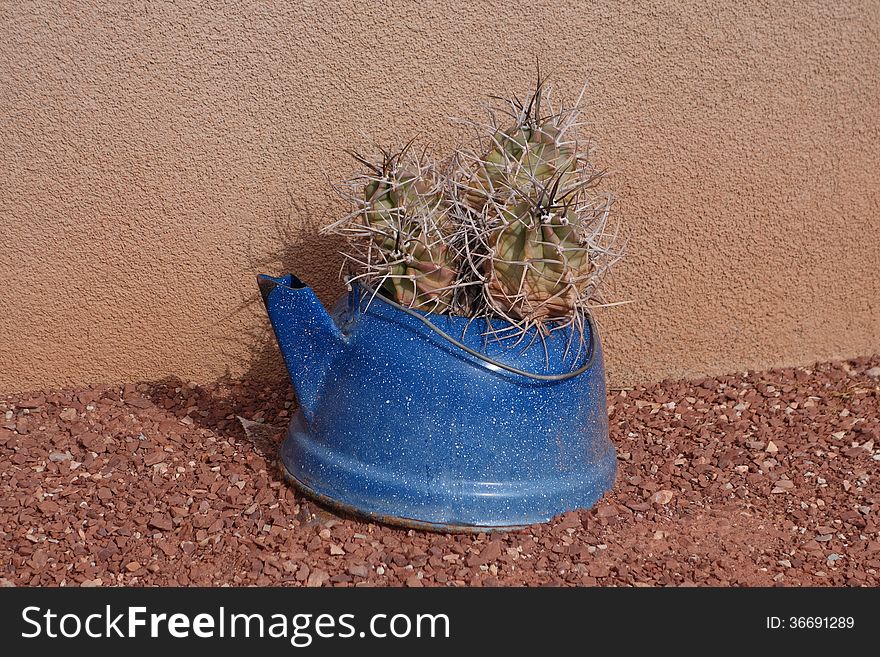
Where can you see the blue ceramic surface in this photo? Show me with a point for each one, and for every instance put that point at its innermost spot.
(398, 424)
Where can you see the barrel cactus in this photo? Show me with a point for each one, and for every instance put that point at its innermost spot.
(511, 227)
(403, 230)
(538, 267)
(536, 228)
(522, 158)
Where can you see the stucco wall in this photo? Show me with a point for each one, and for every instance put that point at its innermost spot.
(155, 156)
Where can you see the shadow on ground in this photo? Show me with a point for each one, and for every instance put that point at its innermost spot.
(256, 406)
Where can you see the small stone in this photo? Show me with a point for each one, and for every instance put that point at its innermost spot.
(488, 554)
(662, 497)
(168, 548)
(358, 570)
(771, 447)
(161, 522)
(93, 442)
(68, 414)
(598, 570)
(91, 583)
(154, 457)
(48, 507)
(317, 578)
(40, 559)
(874, 372)
(569, 521)
(414, 582)
(58, 457)
(335, 550)
(132, 566)
(783, 486)
(491, 552)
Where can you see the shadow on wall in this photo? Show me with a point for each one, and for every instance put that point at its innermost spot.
(262, 393)
(300, 249)
(255, 407)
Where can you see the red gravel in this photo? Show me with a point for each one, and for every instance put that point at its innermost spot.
(760, 479)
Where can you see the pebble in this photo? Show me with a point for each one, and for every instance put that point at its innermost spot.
(358, 570)
(317, 578)
(662, 497)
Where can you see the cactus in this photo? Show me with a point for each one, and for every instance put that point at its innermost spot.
(402, 229)
(513, 229)
(523, 157)
(535, 229)
(538, 267)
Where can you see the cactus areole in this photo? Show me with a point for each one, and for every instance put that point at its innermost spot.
(459, 385)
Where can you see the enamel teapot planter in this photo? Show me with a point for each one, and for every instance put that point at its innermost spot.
(400, 424)
(459, 385)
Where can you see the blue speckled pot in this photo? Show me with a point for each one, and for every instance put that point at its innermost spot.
(399, 425)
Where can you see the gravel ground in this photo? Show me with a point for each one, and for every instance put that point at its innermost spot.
(764, 478)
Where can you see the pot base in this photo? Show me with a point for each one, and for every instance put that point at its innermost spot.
(377, 493)
(343, 509)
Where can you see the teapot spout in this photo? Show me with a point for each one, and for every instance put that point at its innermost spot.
(308, 337)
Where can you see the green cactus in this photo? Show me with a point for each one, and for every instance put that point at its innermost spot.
(526, 191)
(539, 267)
(404, 229)
(524, 158)
(510, 230)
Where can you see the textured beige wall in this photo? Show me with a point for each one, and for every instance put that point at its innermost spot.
(154, 156)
